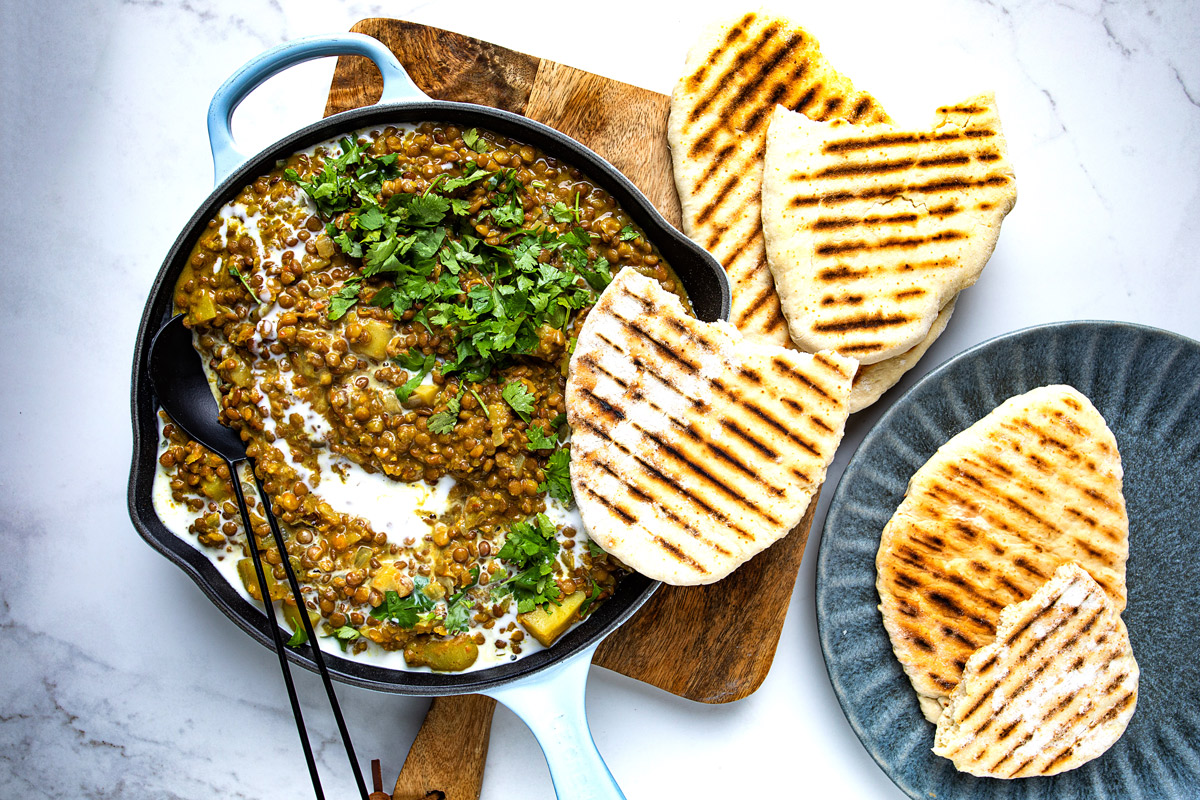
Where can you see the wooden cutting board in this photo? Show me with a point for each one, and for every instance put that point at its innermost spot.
(713, 644)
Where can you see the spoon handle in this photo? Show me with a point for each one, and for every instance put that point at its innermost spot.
(266, 598)
(312, 637)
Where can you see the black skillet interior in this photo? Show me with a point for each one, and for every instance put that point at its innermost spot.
(702, 276)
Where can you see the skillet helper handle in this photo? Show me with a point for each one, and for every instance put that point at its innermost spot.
(397, 85)
(551, 704)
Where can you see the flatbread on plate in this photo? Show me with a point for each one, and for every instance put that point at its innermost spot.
(1055, 690)
(987, 520)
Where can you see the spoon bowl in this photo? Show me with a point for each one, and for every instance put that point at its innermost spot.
(178, 378)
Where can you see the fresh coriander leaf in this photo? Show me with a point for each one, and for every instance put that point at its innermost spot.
(457, 609)
(599, 276)
(562, 213)
(628, 233)
(539, 439)
(583, 609)
(558, 478)
(559, 420)
(404, 392)
(518, 396)
(406, 611)
(473, 140)
(425, 211)
(298, 638)
(595, 549)
(530, 547)
(444, 421)
(344, 298)
(370, 218)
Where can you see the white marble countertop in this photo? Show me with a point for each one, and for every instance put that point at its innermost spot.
(118, 679)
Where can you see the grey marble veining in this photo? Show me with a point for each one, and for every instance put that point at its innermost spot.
(118, 679)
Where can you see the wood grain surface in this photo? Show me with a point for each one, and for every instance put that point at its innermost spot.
(712, 644)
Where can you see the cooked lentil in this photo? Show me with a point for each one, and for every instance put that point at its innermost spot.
(321, 382)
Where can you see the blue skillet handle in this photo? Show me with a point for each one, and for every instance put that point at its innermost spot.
(397, 85)
(551, 703)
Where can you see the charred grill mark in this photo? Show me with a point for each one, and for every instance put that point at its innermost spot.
(1025, 564)
(833, 223)
(822, 424)
(860, 108)
(722, 195)
(748, 439)
(944, 210)
(921, 642)
(589, 360)
(608, 408)
(679, 555)
(783, 366)
(865, 322)
(750, 375)
(895, 190)
(907, 293)
(666, 481)
(765, 70)
(762, 298)
(844, 300)
(841, 272)
(628, 518)
(881, 140)
(719, 158)
(737, 64)
(893, 243)
(861, 168)
(662, 348)
(806, 98)
(732, 35)
(642, 496)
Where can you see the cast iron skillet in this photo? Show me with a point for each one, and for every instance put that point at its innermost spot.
(556, 673)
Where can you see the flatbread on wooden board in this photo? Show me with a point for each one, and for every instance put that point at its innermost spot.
(873, 380)
(693, 448)
(1056, 689)
(871, 230)
(988, 519)
(734, 76)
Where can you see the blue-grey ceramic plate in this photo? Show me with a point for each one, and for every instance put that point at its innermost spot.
(1146, 383)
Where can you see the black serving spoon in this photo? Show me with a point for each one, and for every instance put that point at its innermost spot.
(178, 378)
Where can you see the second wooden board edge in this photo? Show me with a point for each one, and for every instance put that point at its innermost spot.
(711, 644)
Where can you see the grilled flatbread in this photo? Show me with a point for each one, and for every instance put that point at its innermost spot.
(693, 448)
(871, 230)
(1055, 690)
(988, 519)
(873, 380)
(717, 129)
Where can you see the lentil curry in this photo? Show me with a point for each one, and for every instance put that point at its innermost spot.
(387, 321)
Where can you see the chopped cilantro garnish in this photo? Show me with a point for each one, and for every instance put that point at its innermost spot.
(444, 421)
(561, 212)
(530, 547)
(458, 609)
(406, 611)
(344, 298)
(418, 364)
(558, 478)
(425, 256)
(628, 233)
(517, 395)
(539, 439)
(298, 638)
(473, 140)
